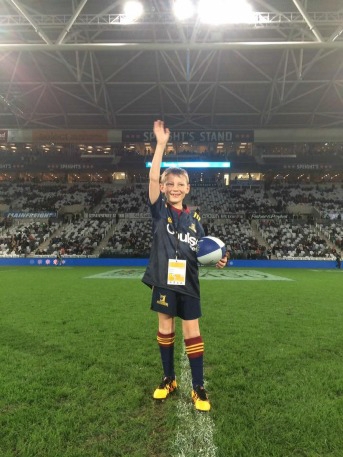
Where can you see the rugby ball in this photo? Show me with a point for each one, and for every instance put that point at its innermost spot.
(210, 250)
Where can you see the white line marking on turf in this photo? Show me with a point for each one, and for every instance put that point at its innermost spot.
(194, 434)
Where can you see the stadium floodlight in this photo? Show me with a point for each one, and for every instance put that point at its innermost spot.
(132, 11)
(218, 12)
(183, 9)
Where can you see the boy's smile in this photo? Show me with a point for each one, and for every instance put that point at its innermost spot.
(175, 189)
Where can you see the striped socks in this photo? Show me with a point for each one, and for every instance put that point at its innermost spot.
(195, 353)
(166, 345)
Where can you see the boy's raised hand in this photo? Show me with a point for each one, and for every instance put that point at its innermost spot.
(161, 133)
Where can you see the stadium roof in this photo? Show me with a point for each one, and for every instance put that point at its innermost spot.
(76, 64)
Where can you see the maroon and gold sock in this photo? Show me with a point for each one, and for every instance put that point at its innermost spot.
(195, 353)
(166, 345)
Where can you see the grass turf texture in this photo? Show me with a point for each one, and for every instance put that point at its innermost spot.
(79, 362)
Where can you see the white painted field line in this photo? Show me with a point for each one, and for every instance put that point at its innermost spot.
(195, 430)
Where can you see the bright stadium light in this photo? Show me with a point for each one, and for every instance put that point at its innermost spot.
(183, 9)
(239, 12)
(225, 11)
(132, 11)
(195, 164)
(209, 11)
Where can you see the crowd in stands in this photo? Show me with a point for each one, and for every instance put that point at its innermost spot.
(327, 198)
(294, 239)
(238, 236)
(228, 213)
(128, 199)
(25, 238)
(226, 200)
(79, 237)
(130, 238)
(332, 231)
(49, 197)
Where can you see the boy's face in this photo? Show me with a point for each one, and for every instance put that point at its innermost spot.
(175, 188)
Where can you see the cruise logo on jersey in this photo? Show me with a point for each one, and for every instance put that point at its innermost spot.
(184, 237)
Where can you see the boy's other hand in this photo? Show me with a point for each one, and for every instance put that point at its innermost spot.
(222, 262)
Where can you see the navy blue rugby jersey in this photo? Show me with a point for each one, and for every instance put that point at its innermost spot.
(173, 230)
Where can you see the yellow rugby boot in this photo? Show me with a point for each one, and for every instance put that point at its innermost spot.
(167, 386)
(200, 399)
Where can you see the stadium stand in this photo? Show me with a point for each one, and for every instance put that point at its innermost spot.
(296, 216)
(25, 238)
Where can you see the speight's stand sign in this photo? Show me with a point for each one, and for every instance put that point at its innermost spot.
(197, 136)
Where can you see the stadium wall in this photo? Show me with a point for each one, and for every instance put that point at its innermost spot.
(124, 262)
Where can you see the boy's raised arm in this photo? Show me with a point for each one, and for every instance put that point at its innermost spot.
(162, 137)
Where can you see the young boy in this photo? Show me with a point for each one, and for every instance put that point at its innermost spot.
(172, 272)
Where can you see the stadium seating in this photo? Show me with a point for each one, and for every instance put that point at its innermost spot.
(115, 220)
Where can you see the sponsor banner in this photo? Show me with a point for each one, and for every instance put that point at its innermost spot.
(205, 184)
(204, 136)
(314, 259)
(11, 166)
(220, 216)
(103, 215)
(137, 215)
(308, 166)
(121, 216)
(269, 216)
(38, 167)
(3, 136)
(26, 215)
(70, 166)
(130, 262)
(147, 215)
(77, 136)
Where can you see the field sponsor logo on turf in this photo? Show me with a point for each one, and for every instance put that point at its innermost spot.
(204, 273)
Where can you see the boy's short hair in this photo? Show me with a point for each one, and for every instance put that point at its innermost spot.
(174, 171)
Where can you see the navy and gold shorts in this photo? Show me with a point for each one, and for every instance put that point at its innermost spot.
(174, 304)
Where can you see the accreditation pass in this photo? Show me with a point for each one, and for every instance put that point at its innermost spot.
(176, 272)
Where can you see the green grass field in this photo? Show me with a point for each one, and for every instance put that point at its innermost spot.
(79, 362)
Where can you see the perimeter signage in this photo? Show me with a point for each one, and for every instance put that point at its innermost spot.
(308, 166)
(203, 136)
(70, 136)
(26, 215)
